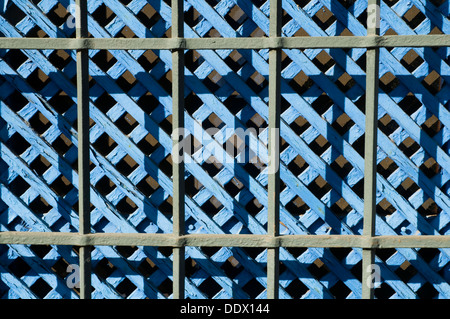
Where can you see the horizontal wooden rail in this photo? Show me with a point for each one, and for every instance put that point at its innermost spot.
(226, 43)
(231, 240)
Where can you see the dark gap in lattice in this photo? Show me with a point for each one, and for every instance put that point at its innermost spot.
(40, 288)
(410, 103)
(40, 250)
(15, 58)
(212, 206)
(17, 144)
(411, 60)
(427, 291)
(318, 269)
(296, 289)
(104, 268)
(301, 83)
(126, 251)
(341, 208)
(104, 144)
(16, 101)
(323, 61)
(231, 267)
(103, 15)
(387, 125)
(210, 287)
(433, 82)
(343, 124)
(61, 186)
(388, 82)
(19, 267)
(126, 81)
(40, 165)
(405, 271)
(384, 291)
(126, 165)
(104, 60)
(62, 144)
(235, 17)
(413, 17)
(253, 288)
(429, 208)
(126, 207)
(300, 125)
(339, 290)
(18, 186)
(253, 207)
(61, 102)
(430, 167)
(191, 267)
(38, 80)
(58, 15)
(147, 186)
(13, 14)
(147, 267)
(39, 123)
(60, 267)
(409, 146)
(432, 126)
(297, 207)
(148, 16)
(385, 208)
(324, 18)
(105, 186)
(407, 188)
(125, 288)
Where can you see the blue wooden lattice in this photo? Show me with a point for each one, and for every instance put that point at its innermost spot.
(322, 161)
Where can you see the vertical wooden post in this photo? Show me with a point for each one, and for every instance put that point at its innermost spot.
(370, 151)
(83, 148)
(273, 188)
(178, 163)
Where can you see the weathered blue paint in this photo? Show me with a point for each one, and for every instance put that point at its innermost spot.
(233, 215)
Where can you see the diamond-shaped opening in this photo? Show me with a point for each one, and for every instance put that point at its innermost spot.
(126, 206)
(341, 166)
(104, 268)
(319, 187)
(104, 144)
(40, 206)
(126, 165)
(18, 186)
(433, 82)
(257, 82)
(256, 122)
(298, 165)
(41, 250)
(430, 167)
(104, 60)
(341, 208)
(234, 186)
(147, 186)
(126, 81)
(126, 251)
(212, 206)
(340, 290)
(413, 17)
(38, 79)
(427, 291)
(253, 288)
(296, 289)
(61, 102)
(17, 144)
(411, 60)
(345, 82)
(407, 188)
(297, 207)
(60, 267)
(62, 144)
(148, 16)
(429, 208)
(410, 103)
(253, 207)
(105, 186)
(384, 208)
(389, 82)
(147, 267)
(103, 15)
(58, 15)
(318, 269)
(301, 83)
(166, 207)
(432, 126)
(324, 61)
(232, 267)
(386, 167)
(384, 291)
(125, 288)
(409, 146)
(40, 165)
(405, 271)
(387, 125)
(40, 288)
(61, 186)
(235, 17)
(210, 287)
(19, 267)
(324, 18)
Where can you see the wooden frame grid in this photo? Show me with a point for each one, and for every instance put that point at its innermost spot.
(178, 240)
